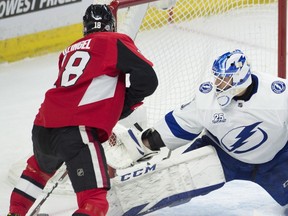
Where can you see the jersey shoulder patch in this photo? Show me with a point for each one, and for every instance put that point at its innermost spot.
(278, 87)
(205, 87)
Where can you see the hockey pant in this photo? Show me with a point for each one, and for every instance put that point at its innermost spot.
(79, 148)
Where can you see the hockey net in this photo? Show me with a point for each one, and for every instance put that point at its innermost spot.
(182, 38)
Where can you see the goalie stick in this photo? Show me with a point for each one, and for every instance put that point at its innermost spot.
(37, 208)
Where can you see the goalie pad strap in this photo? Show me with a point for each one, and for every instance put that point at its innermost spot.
(154, 139)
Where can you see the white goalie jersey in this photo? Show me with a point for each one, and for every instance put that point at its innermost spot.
(252, 131)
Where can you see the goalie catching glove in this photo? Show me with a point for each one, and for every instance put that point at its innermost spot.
(125, 148)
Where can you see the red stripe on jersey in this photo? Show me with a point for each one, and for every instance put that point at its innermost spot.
(100, 156)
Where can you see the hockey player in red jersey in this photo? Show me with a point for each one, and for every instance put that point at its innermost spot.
(90, 95)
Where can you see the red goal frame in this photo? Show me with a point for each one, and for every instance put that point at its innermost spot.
(282, 37)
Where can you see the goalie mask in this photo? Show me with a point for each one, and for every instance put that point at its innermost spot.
(98, 18)
(232, 76)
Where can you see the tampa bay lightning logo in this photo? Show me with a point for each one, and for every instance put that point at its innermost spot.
(205, 87)
(278, 87)
(246, 138)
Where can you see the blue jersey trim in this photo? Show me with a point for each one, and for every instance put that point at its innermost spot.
(176, 129)
(173, 200)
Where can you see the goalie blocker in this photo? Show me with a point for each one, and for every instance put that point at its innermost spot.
(147, 187)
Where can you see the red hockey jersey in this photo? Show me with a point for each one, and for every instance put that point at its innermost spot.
(90, 88)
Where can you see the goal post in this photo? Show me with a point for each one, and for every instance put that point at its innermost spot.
(282, 38)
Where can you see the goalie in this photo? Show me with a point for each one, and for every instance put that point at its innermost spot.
(244, 117)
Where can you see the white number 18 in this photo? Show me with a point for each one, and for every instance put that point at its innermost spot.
(74, 68)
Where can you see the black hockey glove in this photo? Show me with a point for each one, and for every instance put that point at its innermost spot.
(131, 102)
(128, 109)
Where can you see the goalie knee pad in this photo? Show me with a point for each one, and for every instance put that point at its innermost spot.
(153, 138)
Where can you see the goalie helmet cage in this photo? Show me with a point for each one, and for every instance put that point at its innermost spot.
(183, 37)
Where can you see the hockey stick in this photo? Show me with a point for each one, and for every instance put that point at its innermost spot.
(138, 127)
(37, 208)
(168, 155)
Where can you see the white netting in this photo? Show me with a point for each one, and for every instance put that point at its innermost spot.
(183, 41)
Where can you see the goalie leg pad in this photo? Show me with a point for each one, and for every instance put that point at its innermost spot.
(166, 183)
(172, 201)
